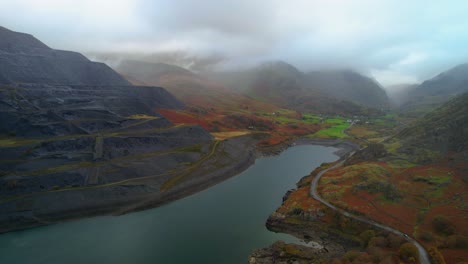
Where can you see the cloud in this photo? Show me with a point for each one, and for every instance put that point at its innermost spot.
(392, 40)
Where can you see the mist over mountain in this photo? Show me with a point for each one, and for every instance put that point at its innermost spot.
(118, 106)
(328, 92)
(435, 91)
(348, 85)
(398, 94)
(443, 130)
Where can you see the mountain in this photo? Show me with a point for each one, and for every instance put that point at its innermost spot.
(434, 92)
(333, 92)
(24, 59)
(77, 139)
(191, 88)
(350, 86)
(150, 72)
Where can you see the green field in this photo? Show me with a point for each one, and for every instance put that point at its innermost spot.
(337, 125)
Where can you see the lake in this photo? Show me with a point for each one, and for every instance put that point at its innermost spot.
(222, 224)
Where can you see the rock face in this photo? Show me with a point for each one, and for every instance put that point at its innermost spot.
(76, 139)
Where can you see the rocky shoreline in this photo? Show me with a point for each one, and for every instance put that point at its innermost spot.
(307, 225)
(57, 206)
(231, 157)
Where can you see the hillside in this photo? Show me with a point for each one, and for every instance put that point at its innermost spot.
(443, 130)
(334, 92)
(414, 182)
(76, 139)
(192, 89)
(434, 92)
(348, 85)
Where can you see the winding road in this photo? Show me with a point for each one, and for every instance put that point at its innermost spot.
(423, 256)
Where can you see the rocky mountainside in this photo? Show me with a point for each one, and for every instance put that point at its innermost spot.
(434, 92)
(333, 92)
(24, 59)
(77, 139)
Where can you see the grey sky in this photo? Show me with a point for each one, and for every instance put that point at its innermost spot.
(394, 41)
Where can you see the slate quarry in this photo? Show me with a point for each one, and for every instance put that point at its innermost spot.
(77, 139)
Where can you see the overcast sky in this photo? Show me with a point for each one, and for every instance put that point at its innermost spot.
(391, 40)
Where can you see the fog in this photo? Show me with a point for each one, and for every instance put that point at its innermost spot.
(393, 41)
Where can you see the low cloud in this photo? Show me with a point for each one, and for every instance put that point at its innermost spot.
(394, 41)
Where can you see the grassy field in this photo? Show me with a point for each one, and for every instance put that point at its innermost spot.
(335, 128)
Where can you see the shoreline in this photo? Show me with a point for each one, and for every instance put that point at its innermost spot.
(243, 149)
(332, 243)
(56, 207)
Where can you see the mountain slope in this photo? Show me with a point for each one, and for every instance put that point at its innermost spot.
(24, 59)
(76, 139)
(277, 82)
(434, 92)
(192, 89)
(443, 130)
(348, 85)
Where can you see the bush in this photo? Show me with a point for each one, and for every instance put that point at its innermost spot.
(409, 252)
(351, 255)
(394, 241)
(443, 226)
(378, 242)
(426, 236)
(456, 241)
(436, 256)
(366, 236)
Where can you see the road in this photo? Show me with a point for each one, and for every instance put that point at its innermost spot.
(423, 256)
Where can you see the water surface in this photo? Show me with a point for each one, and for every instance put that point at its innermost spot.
(222, 224)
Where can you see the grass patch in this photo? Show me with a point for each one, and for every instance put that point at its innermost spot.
(142, 116)
(15, 142)
(230, 134)
(335, 131)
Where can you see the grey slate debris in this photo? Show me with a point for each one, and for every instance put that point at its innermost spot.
(75, 123)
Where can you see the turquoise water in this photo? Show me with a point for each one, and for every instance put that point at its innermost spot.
(222, 224)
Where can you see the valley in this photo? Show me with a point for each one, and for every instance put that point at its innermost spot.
(80, 139)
